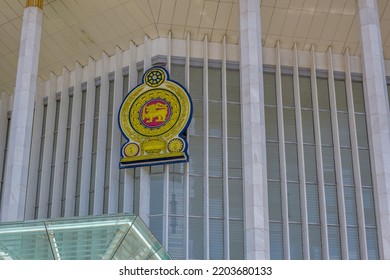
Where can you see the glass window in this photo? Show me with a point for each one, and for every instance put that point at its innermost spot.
(276, 241)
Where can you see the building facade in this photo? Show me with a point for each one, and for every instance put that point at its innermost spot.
(288, 147)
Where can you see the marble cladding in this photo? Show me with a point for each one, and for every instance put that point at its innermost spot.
(14, 196)
(254, 154)
(377, 113)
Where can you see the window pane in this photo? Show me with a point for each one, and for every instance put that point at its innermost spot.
(369, 207)
(353, 243)
(365, 167)
(195, 242)
(196, 83)
(215, 119)
(310, 163)
(271, 122)
(236, 242)
(305, 92)
(294, 202)
(296, 246)
(234, 158)
(372, 243)
(341, 96)
(344, 133)
(156, 226)
(216, 239)
(196, 125)
(233, 85)
(273, 168)
(361, 130)
(215, 157)
(216, 197)
(332, 211)
(196, 196)
(323, 94)
(326, 128)
(176, 237)
(313, 205)
(215, 84)
(269, 89)
(308, 126)
(334, 243)
(196, 155)
(350, 206)
(292, 162)
(274, 201)
(176, 194)
(288, 91)
(328, 165)
(178, 73)
(346, 163)
(315, 242)
(290, 132)
(276, 241)
(358, 97)
(236, 199)
(233, 120)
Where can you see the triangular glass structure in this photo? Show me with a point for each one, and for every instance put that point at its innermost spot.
(111, 237)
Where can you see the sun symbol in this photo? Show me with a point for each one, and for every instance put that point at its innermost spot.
(175, 145)
(155, 78)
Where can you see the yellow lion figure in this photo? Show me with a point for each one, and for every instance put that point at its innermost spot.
(152, 111)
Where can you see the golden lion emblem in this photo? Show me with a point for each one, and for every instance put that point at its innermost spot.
(156, 110)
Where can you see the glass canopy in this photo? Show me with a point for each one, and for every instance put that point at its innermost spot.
(119, 237)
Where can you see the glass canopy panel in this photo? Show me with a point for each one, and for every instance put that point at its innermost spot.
(160, 255)
(139, 244)
(87, 238)
(24, 241)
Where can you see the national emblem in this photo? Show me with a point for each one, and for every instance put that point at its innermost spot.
(153, 118)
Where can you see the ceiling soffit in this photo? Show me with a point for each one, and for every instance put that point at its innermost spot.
(74, 30)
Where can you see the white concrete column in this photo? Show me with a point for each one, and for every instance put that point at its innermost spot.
(116, 135)
(128, 192)
(74, 143)
(225, 152)
(58, 179)
(32, 186)
(355, 158)
(14, 195)
(337, 157)
(186, 165)
(44, 188)
(206, 204)
(87, 141)
(377, 114)
(319, 158)
(301, 156)
(253, 132)
(165, 239)
(144, 194)
(102, 139)
(282, 154)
